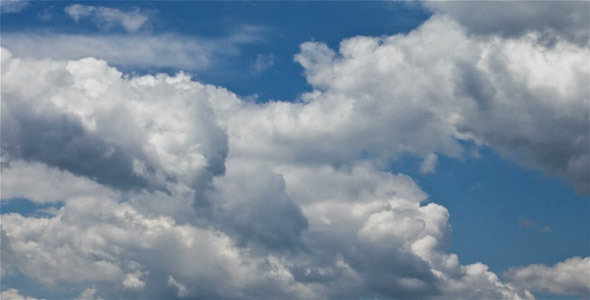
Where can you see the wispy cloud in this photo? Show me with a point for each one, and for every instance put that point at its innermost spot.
(429, 164)
(13, 6)
(533, 225)
(106, 18)
(263, 62)
(136, 50)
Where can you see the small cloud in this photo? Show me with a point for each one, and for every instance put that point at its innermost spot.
(89, 294)
(546, 229)
(429, 164)
(106, 18)
(476, 186)
(13, 6)
(530, 224)
(263, 62)
(526, 223)
(46, 14)
(180, 287)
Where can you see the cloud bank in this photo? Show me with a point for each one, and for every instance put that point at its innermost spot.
(570, 277)
(182, 189)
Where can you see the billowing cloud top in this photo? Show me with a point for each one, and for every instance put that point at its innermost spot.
(173, 188)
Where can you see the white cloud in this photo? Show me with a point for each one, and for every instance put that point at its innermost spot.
(263, 62)
(570, 277)
(89, 294)
(379, 97)
(100, 240)
(137, 51)
(220, 197)
(133, 281)
(41, 184)
(107, 18)
(429, 164)
(170, 142)
(13, 6)
(13, 294)
(243, 232)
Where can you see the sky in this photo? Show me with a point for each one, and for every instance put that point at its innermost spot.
(298, 149)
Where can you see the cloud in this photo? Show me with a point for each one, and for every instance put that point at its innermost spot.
(378, 97)
(246, 200)
(106, 18)
(42, 184)
(263, 62)
(568, 278)
(13, 6)
(217, 221)
(119, 243)
(13, 294)
(530, 224)
(88, 294)
(139, 51)
(181, 288)
(217, 197)
(554, 20)
(168, 143)
(429, 164)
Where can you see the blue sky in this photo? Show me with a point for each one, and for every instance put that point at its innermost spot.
(282, 27)
(510, 203)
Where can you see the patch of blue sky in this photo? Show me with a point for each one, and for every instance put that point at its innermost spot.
(282, 28)
(28, 208)
(36, 289)
(487, 197)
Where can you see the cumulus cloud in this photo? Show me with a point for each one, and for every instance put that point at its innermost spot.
(379, 97)
(170, 136)
(570, 277)
(89, 294)
(13, 294)
(41, 184)
(199, 224)
(180, 189)
(106, 18)
(127, 252)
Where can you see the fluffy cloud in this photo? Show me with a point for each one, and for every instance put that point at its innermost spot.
(379, 97)
(179, 224)
(106, 17)
(41, 184)
(180, 189)
(420, 92)
(13, 294)
(163, 136)
(570, 277)
(129, 253)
